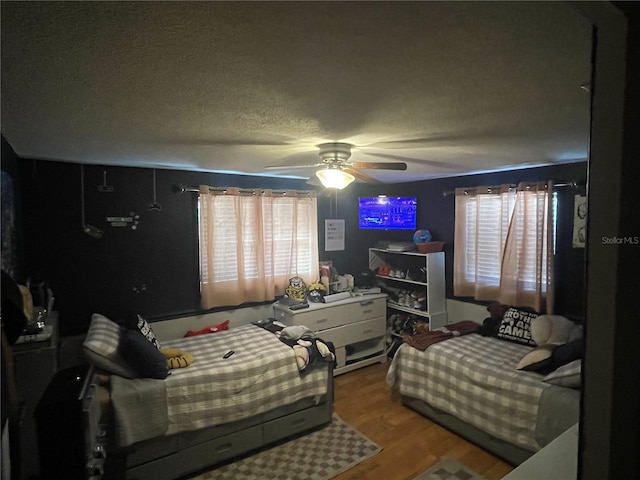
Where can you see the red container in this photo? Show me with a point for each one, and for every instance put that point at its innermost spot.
(430, 247)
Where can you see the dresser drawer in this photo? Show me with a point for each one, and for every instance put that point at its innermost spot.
(314, 319)
(354, 332)
(366, 309)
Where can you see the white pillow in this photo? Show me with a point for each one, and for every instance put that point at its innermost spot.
(567, 375)
(551, 329)
(537, 358)
(101, 346)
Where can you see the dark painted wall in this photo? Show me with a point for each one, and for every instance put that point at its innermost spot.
(12, 252)
(436, 213)
(153, 270)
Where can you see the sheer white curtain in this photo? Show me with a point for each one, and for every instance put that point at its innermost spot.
(504, 240)
(526, 277)
(252, 242)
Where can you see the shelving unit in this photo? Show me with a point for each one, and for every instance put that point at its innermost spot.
(422, 273)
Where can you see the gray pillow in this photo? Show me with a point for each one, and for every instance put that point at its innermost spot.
(567, 375)
(101, 347)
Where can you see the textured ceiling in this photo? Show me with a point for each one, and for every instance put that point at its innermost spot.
(447, 87)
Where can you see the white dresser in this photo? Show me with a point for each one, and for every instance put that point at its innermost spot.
(356, 326)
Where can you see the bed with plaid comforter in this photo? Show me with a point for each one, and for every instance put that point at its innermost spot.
(261, 375)
(474, 378)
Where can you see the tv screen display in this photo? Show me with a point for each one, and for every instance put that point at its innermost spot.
(388, 213)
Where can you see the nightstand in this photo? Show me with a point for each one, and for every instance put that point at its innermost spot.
(36, 362)
(356, 326)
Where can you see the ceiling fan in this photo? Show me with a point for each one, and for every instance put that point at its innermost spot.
(338, 171)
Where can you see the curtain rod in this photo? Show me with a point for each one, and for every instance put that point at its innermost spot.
(572, 184)
(183, 189)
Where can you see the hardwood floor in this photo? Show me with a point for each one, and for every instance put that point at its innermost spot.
(410, 442)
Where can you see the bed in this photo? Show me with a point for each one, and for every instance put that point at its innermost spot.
(216, 408)
(508, 397)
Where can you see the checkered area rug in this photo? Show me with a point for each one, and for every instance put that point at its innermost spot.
(319, 455)
(449, 469)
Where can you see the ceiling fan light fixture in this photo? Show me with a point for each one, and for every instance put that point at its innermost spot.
(334, 178)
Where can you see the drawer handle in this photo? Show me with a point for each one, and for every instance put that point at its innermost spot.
(298, 422)
(365, 303)
(367, 331)
(367, 311)
(322, 320)
(224, 448)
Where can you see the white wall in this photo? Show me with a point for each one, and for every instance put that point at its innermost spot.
(458, 311)
(177, 327)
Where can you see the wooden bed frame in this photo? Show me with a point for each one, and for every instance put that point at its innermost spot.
(171, 457)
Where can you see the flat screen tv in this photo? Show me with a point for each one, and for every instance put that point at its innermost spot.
(387, 213)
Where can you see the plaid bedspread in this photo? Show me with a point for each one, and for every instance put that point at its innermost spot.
(474, 378)
(261, 375)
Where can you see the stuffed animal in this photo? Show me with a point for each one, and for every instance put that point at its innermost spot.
(177, 358)
(295, 332)
(308, 352)
(296, 289)
(551, 329)
(317, 291)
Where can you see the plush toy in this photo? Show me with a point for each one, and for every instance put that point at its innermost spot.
(210, 329)
(177, 358)
(302, 356)
(308, 352)
(551, 329)
(295, 332)
(317, 291)
(296, 289)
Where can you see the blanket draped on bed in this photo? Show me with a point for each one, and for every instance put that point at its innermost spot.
(474, 378)
(132, 401)
(422, 340)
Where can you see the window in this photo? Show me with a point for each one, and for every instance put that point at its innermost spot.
(252, 242)
(504, 244)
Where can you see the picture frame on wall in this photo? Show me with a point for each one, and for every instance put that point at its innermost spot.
(579, 221)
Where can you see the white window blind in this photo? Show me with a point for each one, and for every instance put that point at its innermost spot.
(250, 245)
(504, 244)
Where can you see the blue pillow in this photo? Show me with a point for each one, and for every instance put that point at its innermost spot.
(142, 356)
(567, 352)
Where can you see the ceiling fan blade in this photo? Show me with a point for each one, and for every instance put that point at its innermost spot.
(434, 163)
(315, 181)
(380, 165)
(309, 165)
(430, 140)
(362, 176)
